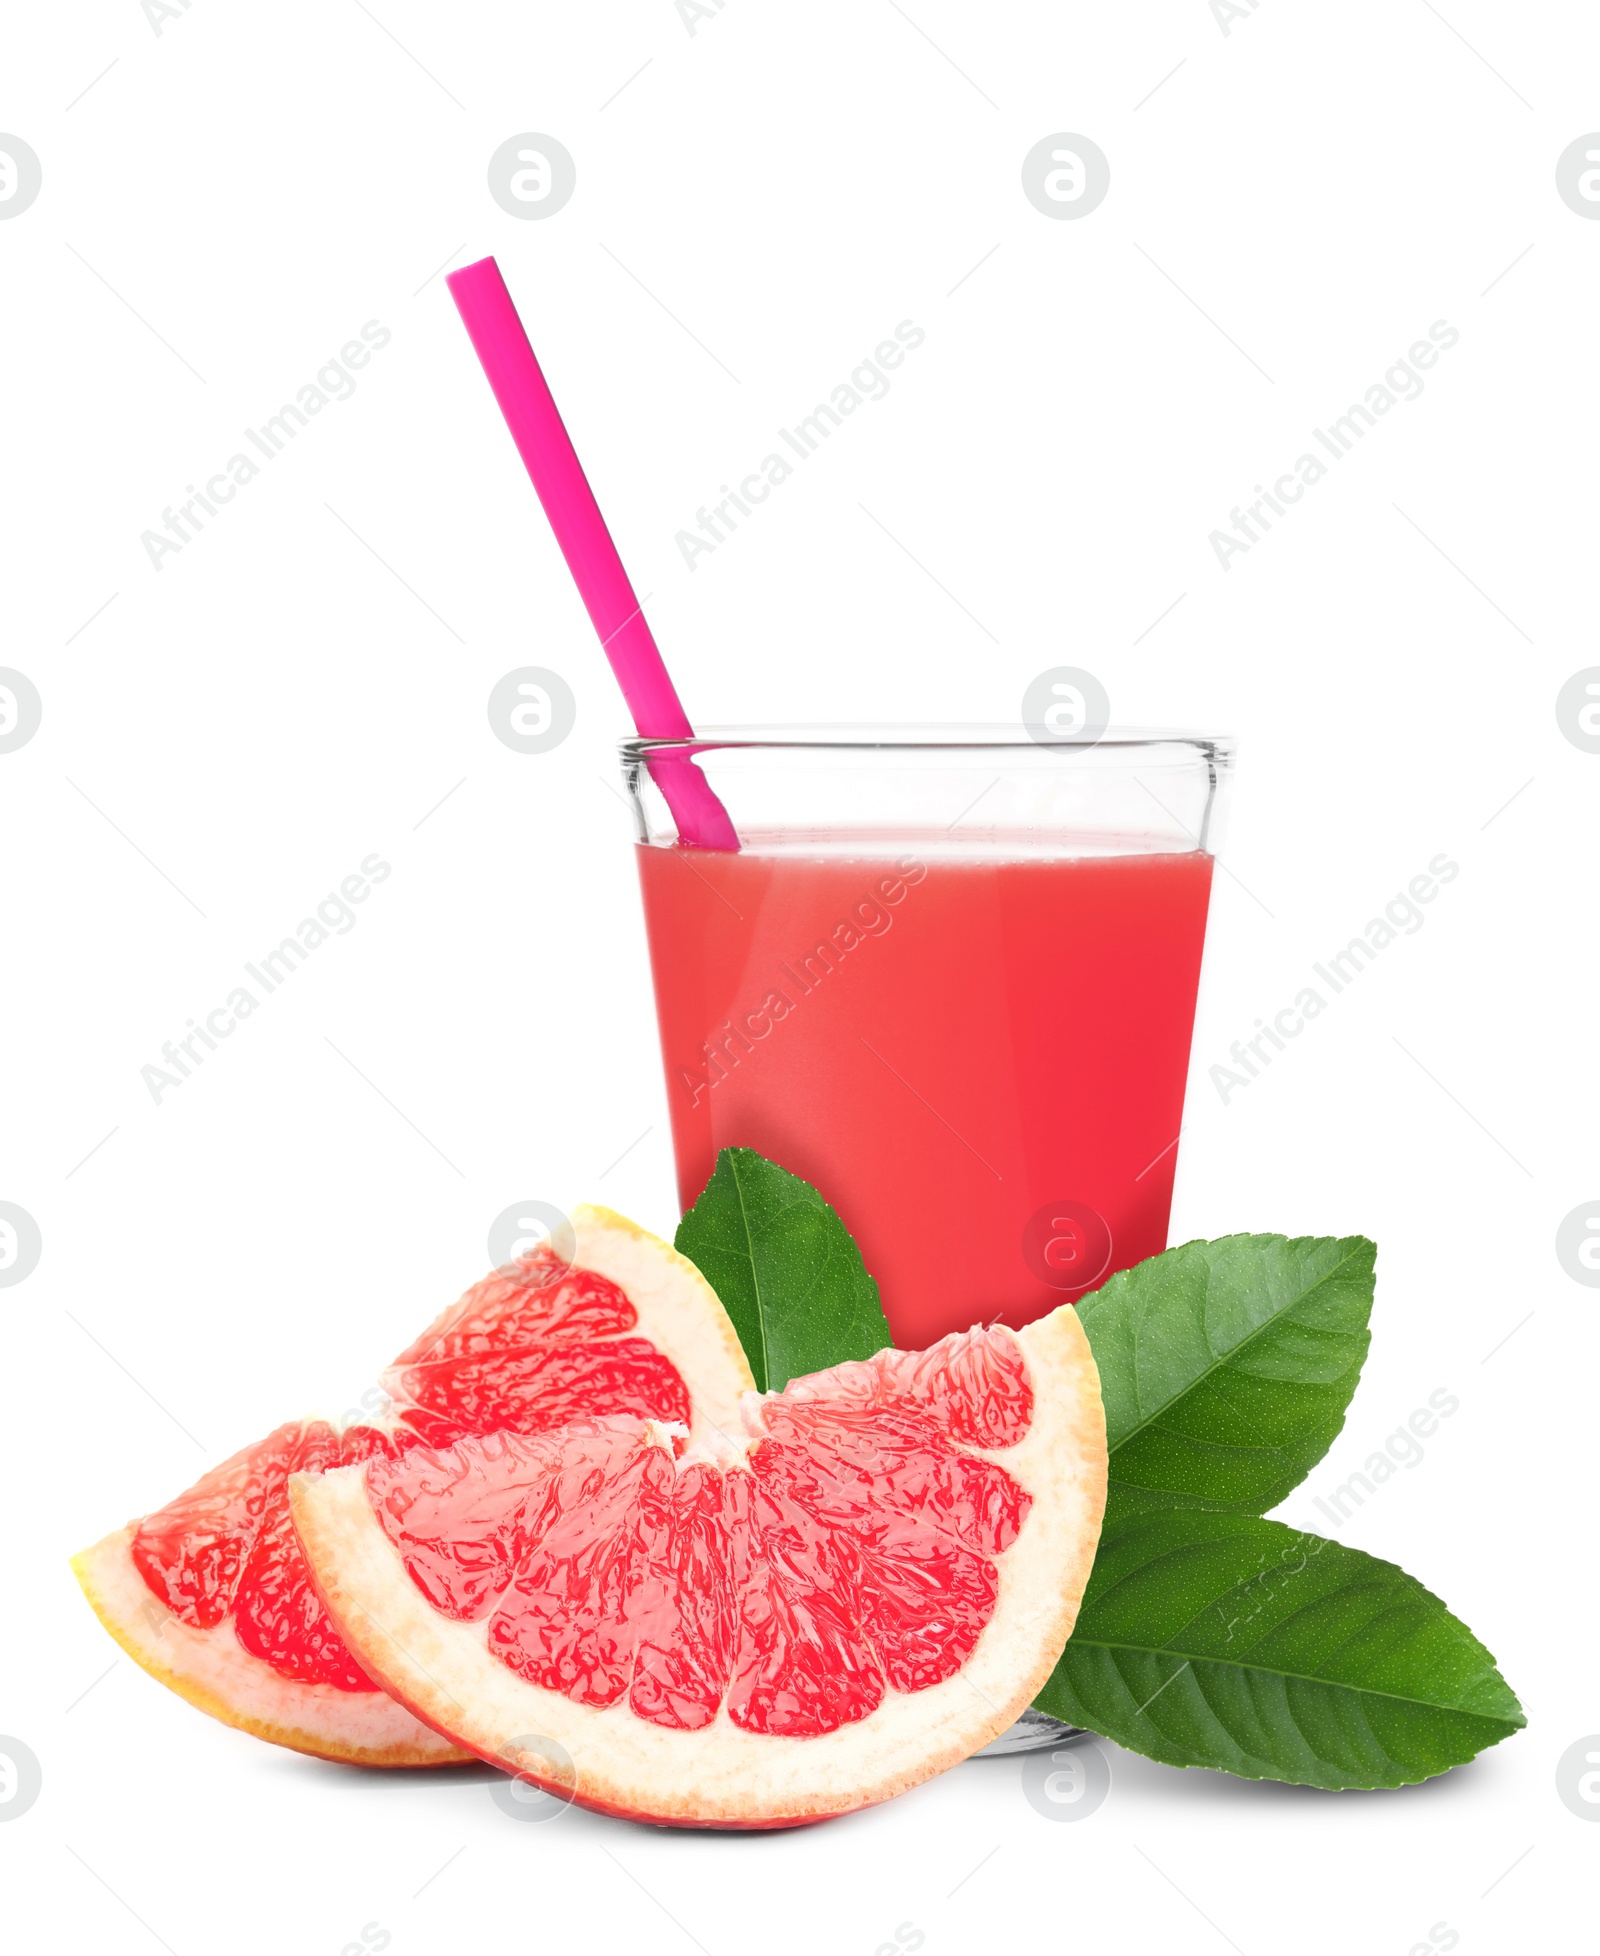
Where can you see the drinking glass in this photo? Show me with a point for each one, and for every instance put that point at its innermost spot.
(949, 978)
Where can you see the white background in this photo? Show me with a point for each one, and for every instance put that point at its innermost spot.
(234, 732)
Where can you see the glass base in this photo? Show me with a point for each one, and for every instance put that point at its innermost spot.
(1034, 1731)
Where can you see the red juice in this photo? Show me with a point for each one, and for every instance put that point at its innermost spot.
(978, 1058)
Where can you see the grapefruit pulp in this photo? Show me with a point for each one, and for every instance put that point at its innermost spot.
(861, 1583)
(211, 1593)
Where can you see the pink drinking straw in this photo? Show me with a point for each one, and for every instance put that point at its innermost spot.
(501, 344)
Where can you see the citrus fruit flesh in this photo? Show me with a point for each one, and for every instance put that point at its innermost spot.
(860, 1583)
(211, 1593)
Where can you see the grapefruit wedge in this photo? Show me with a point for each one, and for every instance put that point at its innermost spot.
(211, 1593)
(859, 1585)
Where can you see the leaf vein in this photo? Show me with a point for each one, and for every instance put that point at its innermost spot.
(1202, 1658)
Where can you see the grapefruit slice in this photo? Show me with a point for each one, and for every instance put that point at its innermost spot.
(863, 1584)
(211, 1593)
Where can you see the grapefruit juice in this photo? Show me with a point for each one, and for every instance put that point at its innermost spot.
(976, 1052)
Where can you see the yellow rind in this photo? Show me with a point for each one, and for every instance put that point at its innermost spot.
(212, 1670)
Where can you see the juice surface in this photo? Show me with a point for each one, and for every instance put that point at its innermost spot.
(978, 1057)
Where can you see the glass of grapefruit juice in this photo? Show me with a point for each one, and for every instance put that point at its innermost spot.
(949, 977)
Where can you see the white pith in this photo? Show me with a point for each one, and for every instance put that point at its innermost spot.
(723, 1775)
(677, 1311)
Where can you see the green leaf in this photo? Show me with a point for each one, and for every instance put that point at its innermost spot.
(1227, 1367)
(787, 1270)
(1227, 1641)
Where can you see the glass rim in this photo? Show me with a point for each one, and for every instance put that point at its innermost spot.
(927, 737)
